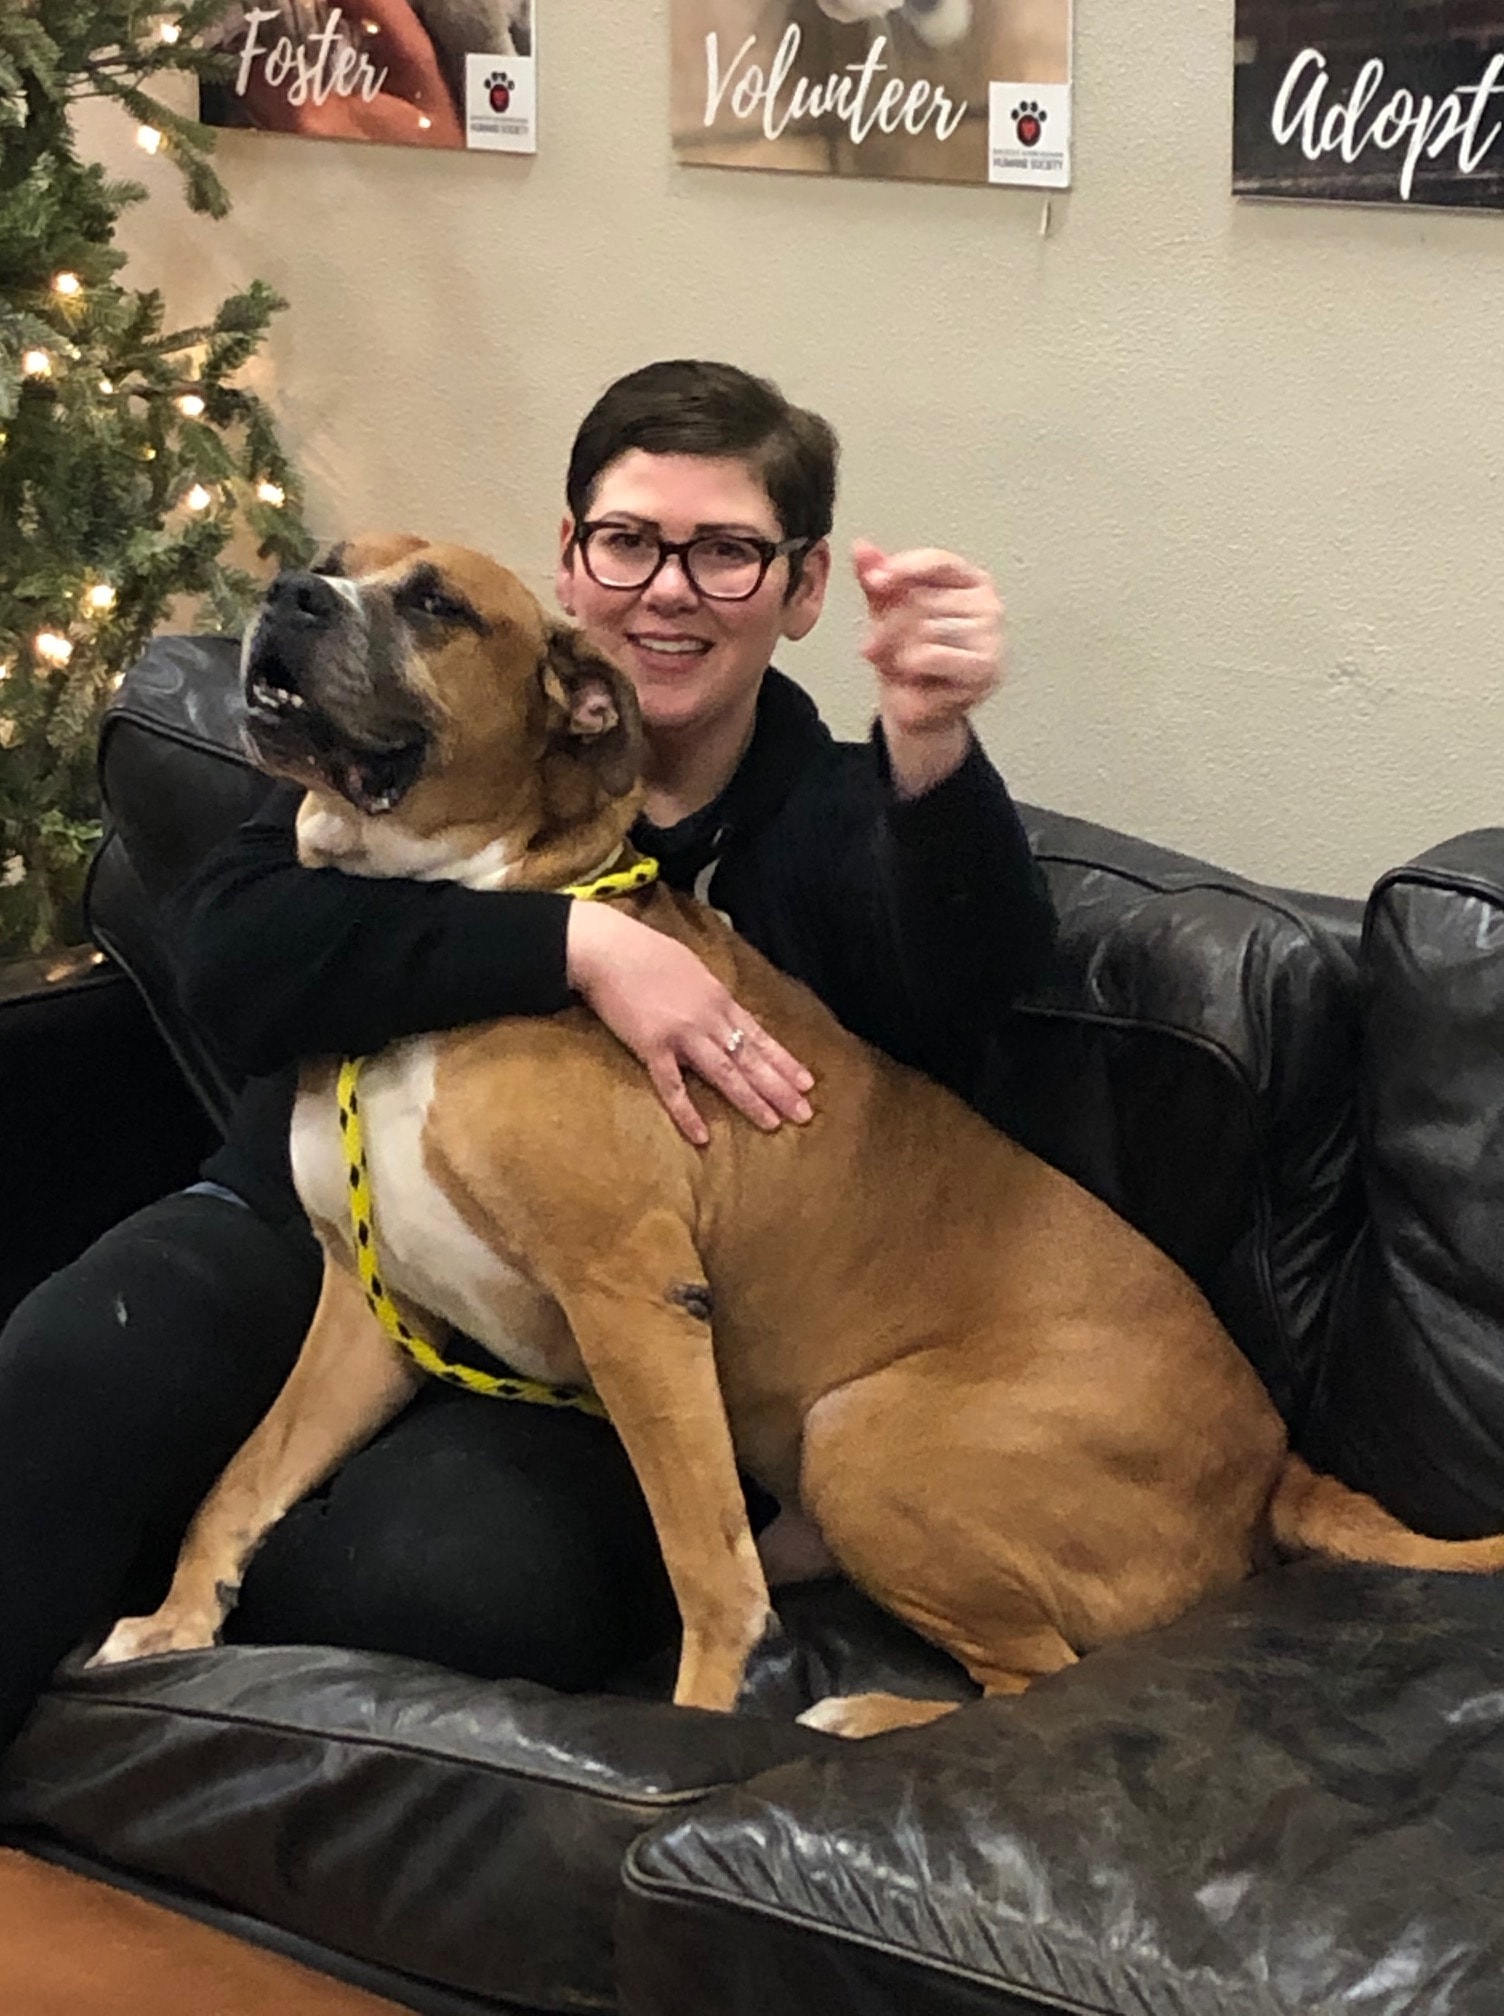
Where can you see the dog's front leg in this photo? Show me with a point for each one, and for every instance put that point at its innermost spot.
(348, 1382)
(642, 1323)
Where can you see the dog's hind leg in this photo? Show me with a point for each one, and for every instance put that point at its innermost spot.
(348, 1382)
(1026, 1646)
(896, 1506)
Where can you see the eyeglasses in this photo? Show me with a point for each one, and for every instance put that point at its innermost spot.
(723, 566)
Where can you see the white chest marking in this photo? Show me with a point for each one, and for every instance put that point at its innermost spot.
(341, 837)
(427, 1252)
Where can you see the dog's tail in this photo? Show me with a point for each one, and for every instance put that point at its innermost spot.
(1312, 1514)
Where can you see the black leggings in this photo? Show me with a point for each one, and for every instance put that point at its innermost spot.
(497, 1538)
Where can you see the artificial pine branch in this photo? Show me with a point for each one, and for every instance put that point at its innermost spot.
(119, 497)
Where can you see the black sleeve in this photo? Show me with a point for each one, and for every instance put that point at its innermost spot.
(936, 917)
(281, 962)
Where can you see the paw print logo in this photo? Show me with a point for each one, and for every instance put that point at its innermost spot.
(499, 89)
(1028, 123)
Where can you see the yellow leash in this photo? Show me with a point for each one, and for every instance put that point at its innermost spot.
(620, 883)
(496, 1385)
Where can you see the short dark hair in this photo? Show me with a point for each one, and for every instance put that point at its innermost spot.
(687, 406)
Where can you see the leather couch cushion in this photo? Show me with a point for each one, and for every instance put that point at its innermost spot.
(175, 780)
(1411, 1406)
(460, 1832)
(1290, 1801)
(1192, 1060)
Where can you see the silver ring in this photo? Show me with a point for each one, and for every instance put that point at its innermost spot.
(735, 1041)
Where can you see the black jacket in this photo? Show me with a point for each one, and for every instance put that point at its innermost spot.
(918, 922)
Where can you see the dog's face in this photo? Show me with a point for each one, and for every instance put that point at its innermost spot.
(399, 673)
(938, 22)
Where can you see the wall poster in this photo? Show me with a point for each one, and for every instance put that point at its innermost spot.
(934, 90)
(1370, 101)
(413, 73)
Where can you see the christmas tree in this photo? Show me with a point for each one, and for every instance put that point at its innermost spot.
(130, 454)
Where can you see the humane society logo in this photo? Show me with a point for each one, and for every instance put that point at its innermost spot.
(1029, 134)
(1028, 122)
(501, 95)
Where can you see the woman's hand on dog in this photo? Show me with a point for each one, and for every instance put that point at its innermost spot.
(667, 1007)
(935, 640)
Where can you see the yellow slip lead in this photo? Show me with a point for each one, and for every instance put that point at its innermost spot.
(495, 1385)
(620, 882)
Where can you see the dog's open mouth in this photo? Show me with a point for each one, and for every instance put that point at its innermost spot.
(290, 734)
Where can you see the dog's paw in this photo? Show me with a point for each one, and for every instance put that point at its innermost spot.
(860, 1715)
(143, 1637)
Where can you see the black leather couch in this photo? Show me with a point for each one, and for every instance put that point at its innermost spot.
(1290, 1803)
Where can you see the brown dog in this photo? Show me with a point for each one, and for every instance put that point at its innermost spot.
(1016, 1424)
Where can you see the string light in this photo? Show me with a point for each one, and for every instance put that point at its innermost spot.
(168, 31)
(107, 386)
(67, 283)
(148, 139)
(424, 121)
(191, 405)
(101, 596)
(37, 364)
(271, 493)
(56, 650)
(198, 498)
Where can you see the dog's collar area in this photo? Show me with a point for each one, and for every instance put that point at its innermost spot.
(608, 881)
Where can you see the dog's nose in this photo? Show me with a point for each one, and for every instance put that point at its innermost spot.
(305, 600)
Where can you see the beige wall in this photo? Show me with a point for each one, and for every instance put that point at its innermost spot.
(1237, 467)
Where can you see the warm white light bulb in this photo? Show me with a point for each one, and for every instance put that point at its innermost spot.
(198, 498)
(56, 650)
(101, 596)
(191, 405)
(37, 364)
(271, 493)
(168, 31)
(67, 283)
(148, 139)
(107, 386)
(424, 121)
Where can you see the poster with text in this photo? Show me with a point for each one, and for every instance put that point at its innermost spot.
(932, 90)
(412, 73)
(1370, 101)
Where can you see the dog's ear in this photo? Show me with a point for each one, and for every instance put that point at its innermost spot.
(592, 710)
(368, 554)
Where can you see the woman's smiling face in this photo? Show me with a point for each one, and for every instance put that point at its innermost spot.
(694, 661)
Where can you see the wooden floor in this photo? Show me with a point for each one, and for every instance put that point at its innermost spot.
(72, 1947)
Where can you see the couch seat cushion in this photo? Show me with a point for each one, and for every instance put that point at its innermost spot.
(1290, 1803)
(459, 1831)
